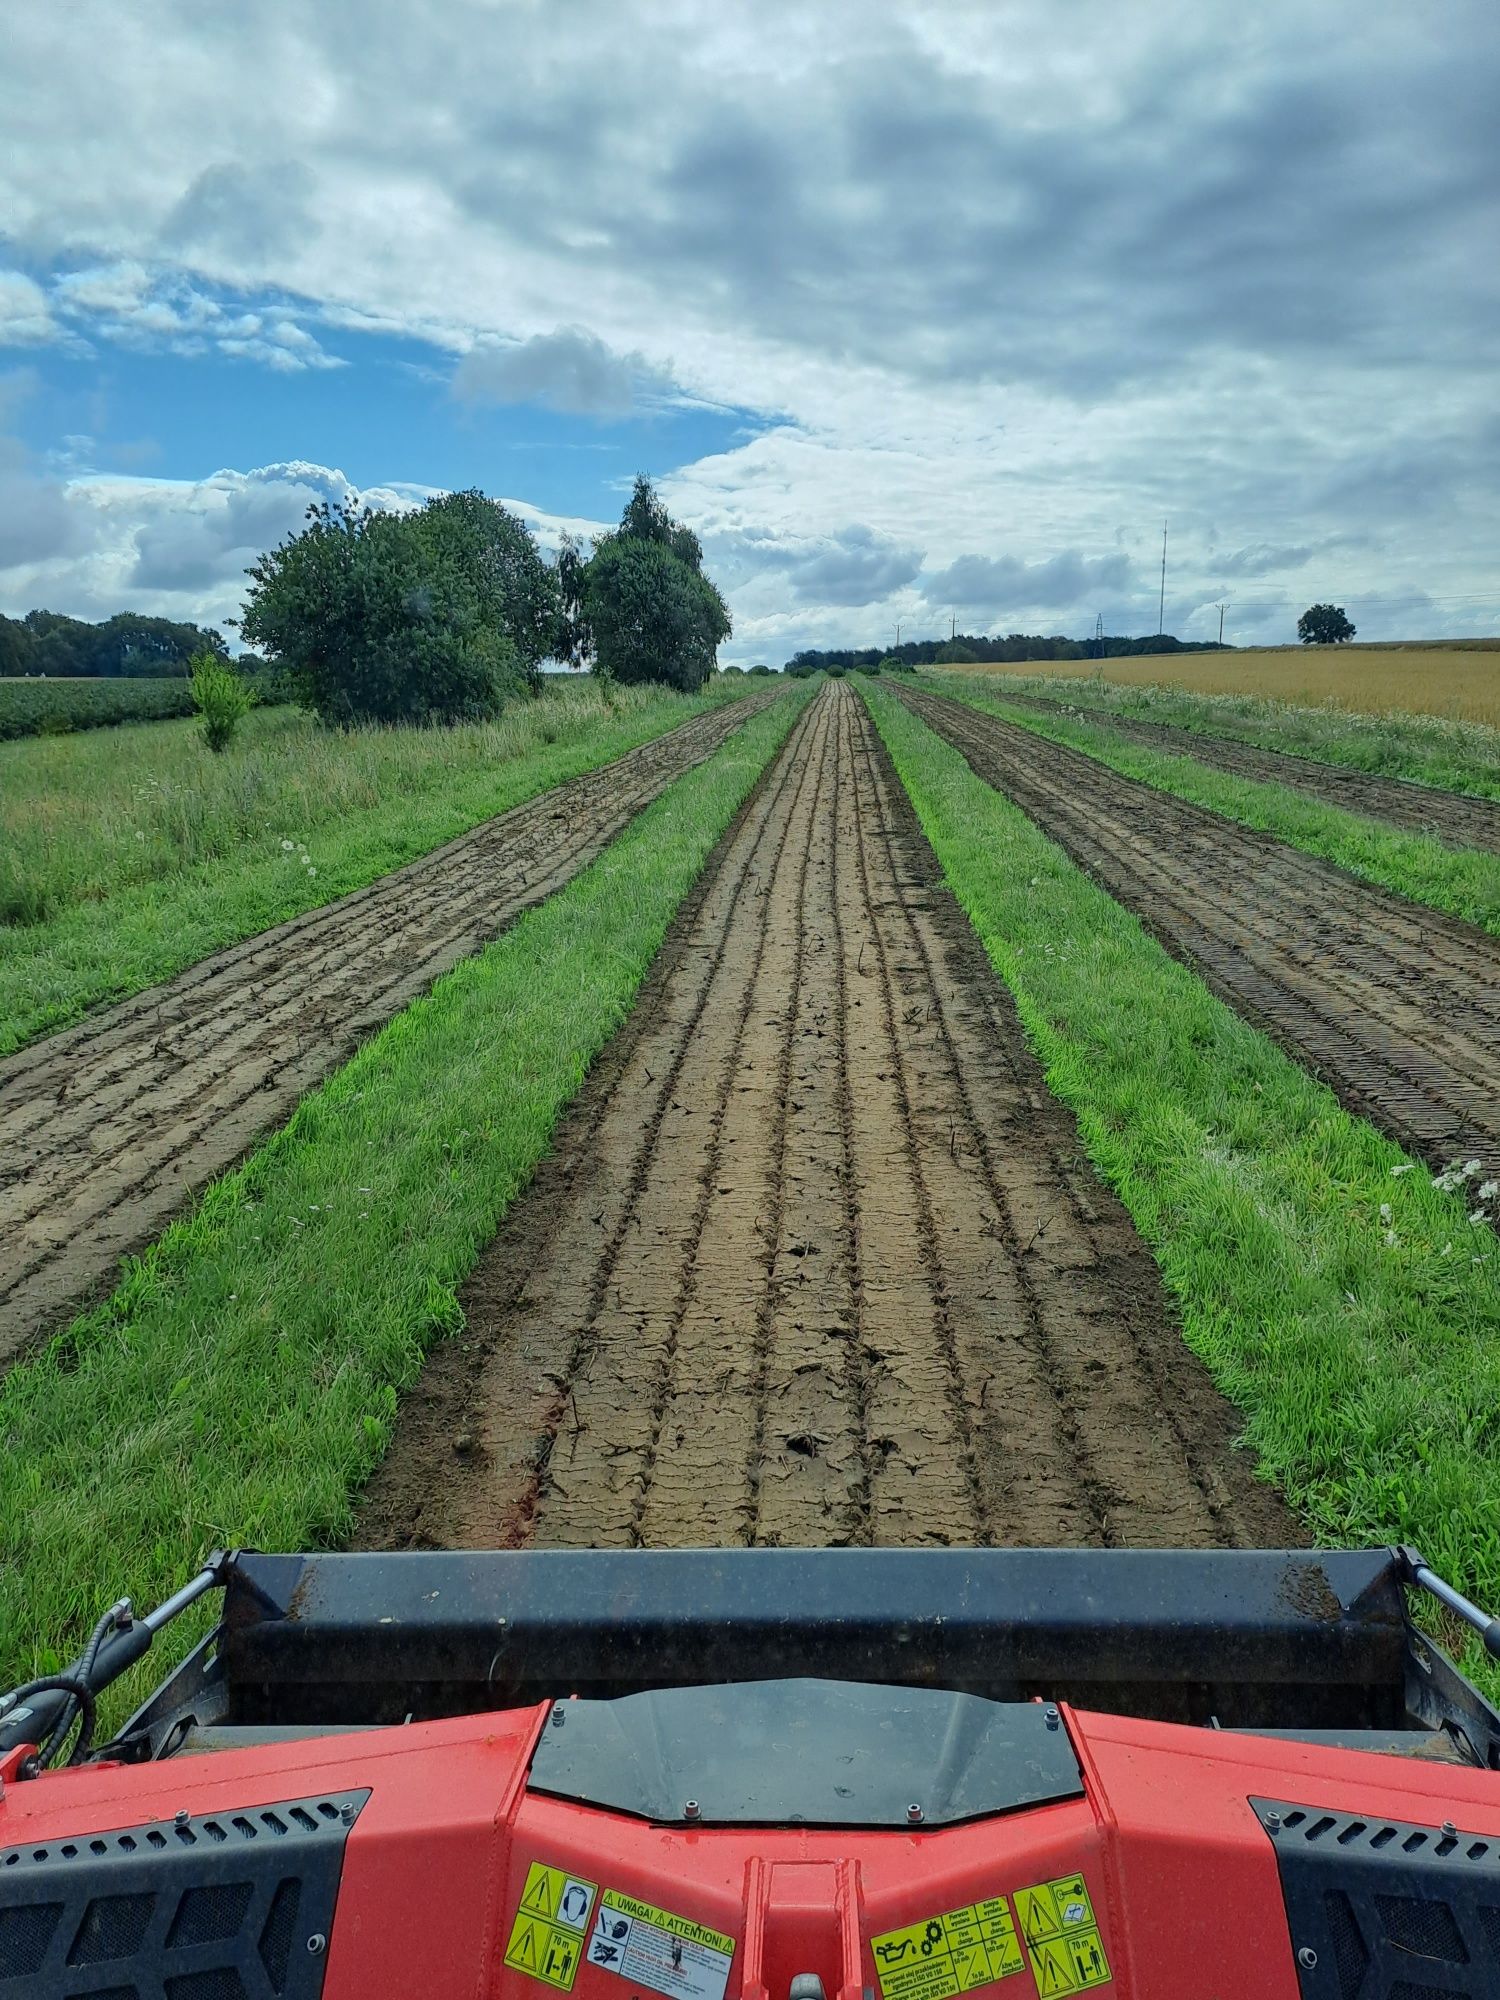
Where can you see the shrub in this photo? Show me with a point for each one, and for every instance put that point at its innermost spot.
(221, 697)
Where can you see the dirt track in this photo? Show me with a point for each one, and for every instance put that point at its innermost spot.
(1395, 1006)
(107, 1128)
(1448, 816)
(816, 1258)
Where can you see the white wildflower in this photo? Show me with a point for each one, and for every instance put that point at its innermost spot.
(1391, 1239)
(1408, 1168)
(1489, 1190)
(1476, 1215)
(1446, 1251)
(1385, 1211)
(287, 846)
(1472, 1170)
(310, 873)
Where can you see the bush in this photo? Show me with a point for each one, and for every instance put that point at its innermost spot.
(835, 673)
(762, 671)
(221, 697)
(432, 616)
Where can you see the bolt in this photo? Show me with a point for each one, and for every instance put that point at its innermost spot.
(1449, 1828)
(558, 1718)
(1273, 1822)
(1050, 1714)
(692, 1810)
(348, 1814)
(913, 1815)
(1307, 1957)
(317, 1943)
(180, 1817)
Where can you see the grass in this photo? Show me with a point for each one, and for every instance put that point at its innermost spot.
(1431, 750)
(1462, 882)
(37, 707)
(122, 860)
(1460, 682)
(240, 1384)
(1363, 1347)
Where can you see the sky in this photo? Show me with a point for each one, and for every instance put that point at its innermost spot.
(920, 315)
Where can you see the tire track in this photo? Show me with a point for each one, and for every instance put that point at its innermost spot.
(1395, 1006)
(814, 1259)
(1453, 817)
(107, 1128)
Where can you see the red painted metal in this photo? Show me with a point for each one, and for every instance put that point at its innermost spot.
(1181, 1875)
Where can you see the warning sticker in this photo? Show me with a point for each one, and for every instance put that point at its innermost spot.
(1057, 1922)
(546, 1939)
(651, 1947)
(954, 1953)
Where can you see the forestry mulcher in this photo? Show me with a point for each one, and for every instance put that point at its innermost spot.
(764, 1774)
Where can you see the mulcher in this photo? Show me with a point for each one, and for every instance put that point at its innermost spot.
(765, 1774)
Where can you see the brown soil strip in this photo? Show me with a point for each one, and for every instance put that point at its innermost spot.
(1396, 1007)
(816, 1258)
(108, 1128)
(1448, 816)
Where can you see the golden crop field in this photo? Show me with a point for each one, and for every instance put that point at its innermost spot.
(1462, 682)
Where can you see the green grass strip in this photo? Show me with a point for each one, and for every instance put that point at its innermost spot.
(241, 1382)
(1328, 1285)
(1462, 882)
(137, 859)
(1433, 750)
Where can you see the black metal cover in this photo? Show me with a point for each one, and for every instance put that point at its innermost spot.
(1296, 1637)
(809, 1753)
(1385, 1909)
(222, 1906)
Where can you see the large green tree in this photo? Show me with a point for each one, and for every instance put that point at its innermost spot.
(432, 616)
(639, 608)
(1324, 625)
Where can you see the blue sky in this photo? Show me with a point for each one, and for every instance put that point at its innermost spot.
(917, 309)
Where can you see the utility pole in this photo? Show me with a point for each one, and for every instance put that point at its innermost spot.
(1222, 609)
(952, 625)
(1161, 609)
(1098, 635)
(898, 635)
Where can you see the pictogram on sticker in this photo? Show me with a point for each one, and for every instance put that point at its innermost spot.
(1062, 1935)
(547, 1936)
(941, 1957)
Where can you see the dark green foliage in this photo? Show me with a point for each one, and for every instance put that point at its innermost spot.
(640, 608)
(48, 642)
(52, 708)
(433, 616)
(758, 668)
(1324, 625)
(967, 648)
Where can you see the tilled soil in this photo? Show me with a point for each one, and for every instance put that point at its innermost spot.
(816, 1259)
(107, 1128)
(1393, 1005)
(1448, 816)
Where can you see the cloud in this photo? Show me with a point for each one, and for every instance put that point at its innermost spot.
(37, 524)
(992, 586)
(983, 277)
(25, 318)
(251, 215)
(570, 370)
(151, 311)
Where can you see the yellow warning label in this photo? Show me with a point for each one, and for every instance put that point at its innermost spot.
(1058, 1924)
(682, 1927)
(547, 1937)
(947, 1955)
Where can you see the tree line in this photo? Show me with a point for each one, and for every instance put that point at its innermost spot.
(972, 649)
(128, 645)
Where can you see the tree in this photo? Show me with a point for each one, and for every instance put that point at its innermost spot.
(640, 608)
(520, 590)
(385, 617)
(1324, 625)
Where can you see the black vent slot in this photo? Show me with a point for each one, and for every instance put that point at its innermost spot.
(189, 1909)
(1387, 1909)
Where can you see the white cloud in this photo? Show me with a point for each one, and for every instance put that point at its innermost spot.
(1007, 288)
(25, 318)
